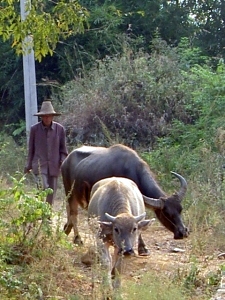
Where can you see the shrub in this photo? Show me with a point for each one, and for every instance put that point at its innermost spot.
(24, 221)
(130, 99)
(12, 156)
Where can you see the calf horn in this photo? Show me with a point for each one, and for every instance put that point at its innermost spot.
(110, 218)
(137, 218)
(140, 217)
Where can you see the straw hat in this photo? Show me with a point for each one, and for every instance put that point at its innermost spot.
(47, 109)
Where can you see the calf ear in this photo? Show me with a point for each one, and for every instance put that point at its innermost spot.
(142, 225)
(107, 227)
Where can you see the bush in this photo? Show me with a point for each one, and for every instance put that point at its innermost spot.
(24, 221)
(12, 156)
(130, 99)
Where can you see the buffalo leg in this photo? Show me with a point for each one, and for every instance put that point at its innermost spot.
(68, 226)
(72, 216)
(142, 249)
(77, 238)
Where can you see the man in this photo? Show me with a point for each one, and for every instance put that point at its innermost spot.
(47, 149)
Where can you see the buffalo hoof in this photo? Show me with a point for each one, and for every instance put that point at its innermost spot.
(77, 240)
(143, 252)
(67, 228)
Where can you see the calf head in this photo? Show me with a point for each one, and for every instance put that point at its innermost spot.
(124, 230)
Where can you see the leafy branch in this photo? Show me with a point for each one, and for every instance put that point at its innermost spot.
(43, 26)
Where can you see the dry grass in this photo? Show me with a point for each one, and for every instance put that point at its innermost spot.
(56, 271)
(165, 274)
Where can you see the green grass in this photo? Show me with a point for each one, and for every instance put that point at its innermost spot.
(39, 261)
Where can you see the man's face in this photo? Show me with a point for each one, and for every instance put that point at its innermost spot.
(47, 120)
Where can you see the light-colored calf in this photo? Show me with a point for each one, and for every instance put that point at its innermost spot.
(118, 205)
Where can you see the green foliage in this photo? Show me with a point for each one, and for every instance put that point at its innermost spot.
(190, 54)
(11, 88)
(169, 103)
(43, 26)
(208, 18)
(191, 281)
(69, 37)
(12, 157)
(134, 96)
(139, 96)
(205, 106)
(10, 282)
(155, 288)
(23, 231)
(27, 237)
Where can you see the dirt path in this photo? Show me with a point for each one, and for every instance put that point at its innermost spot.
(167, 256)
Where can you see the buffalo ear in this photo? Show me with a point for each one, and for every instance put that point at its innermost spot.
(107, 227)
(143, 225)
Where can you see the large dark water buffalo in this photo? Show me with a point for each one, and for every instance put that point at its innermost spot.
(86, 165)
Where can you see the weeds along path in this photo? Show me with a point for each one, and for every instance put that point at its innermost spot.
(175, 258)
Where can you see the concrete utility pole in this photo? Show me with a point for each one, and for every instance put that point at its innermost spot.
(30, 90)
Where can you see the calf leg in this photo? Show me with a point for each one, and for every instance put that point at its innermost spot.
(117, 269)
(106, 264)
(142, 249)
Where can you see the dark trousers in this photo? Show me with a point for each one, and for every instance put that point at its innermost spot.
(45, 181)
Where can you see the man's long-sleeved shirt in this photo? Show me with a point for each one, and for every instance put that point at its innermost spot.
(47, 149)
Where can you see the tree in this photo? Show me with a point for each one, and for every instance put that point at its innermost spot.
(45, 23)
(40, 31)
(209, 19)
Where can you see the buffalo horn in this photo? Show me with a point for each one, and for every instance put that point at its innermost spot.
(154, 203)
(183, 187)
